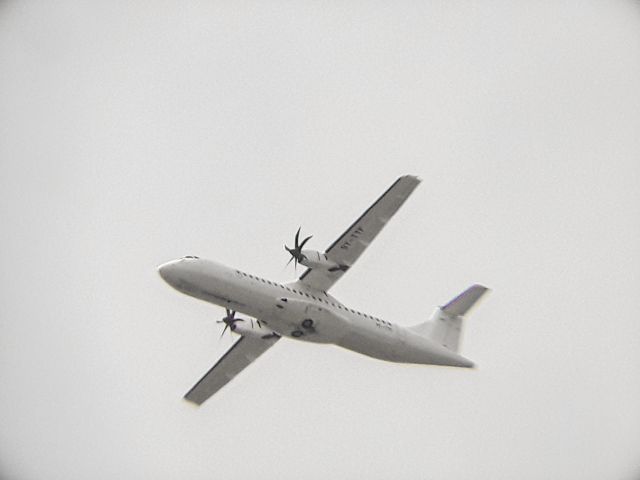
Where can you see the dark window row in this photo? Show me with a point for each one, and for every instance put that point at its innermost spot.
(319, 299)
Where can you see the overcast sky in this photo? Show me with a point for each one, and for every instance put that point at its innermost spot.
(132, 133)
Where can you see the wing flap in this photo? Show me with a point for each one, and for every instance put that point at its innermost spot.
(237, 358)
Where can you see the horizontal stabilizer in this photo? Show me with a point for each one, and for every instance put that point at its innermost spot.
(463, 302)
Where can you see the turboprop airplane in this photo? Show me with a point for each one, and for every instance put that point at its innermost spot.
(304, 310)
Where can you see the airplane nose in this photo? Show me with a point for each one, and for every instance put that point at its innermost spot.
(168, 271)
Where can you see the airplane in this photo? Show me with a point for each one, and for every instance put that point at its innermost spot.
(305, 311)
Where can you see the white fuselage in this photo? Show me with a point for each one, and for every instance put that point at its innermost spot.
(294, 311)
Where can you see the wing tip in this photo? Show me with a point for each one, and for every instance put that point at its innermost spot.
(194, 403)
(479, 286)
(416, 178)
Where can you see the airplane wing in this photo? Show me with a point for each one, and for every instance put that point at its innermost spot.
(350, 245)
(239, 356)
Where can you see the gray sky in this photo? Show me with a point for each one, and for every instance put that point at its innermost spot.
(133, 133)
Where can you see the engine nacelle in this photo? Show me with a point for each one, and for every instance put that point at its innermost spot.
(250, 328)
(315, 259)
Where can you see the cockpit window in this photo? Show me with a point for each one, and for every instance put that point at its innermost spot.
(190, 256)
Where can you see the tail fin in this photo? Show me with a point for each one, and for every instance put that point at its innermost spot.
(445, 324)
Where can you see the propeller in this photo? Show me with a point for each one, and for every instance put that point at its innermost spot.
(296, 251)
(229, 321)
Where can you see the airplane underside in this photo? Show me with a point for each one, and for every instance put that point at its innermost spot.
(304, 311)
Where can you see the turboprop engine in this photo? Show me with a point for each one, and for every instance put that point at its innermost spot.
(312, 258)
(253, 328)
(315, 259)
(250, 327)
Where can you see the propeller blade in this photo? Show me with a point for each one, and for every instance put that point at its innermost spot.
(297, 237)
(226, 325)
(305, 241)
